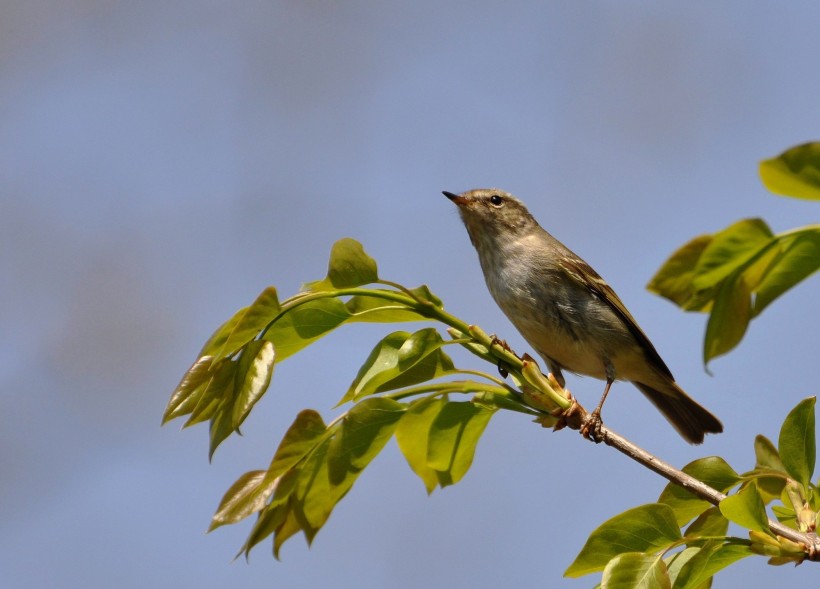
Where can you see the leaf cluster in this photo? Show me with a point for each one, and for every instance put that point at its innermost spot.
(736, 273)
(681, 541)
(403, 389)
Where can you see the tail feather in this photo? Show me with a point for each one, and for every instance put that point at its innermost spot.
(687, 416)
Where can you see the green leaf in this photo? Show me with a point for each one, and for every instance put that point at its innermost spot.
(401, 359)
(634, 570)
(712, 470)
(252, 378)
(646, 529)
(349, 266)
(221, 425)
(766, 455)
(241, 500)
(746, 509)
(252, 490)
(375, 309)
(798, 258)
(249, 322)
(729, 319)
(675, 561)
(674, 279)
(335, 464)
(183, 398)
(412, 434)
(711, 558)
(709, 523)
(795, 172)
(797, 443)
(729, 250)
(302, 436)
(304, 324)
(217, 394)
(453, 437)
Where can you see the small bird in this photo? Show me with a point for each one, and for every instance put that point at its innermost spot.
(566, 311)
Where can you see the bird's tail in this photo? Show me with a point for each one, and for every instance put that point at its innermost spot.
(687, 416)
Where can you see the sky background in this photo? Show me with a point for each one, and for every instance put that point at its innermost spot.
(162, 162)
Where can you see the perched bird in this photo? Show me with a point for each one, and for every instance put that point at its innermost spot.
(566, 311)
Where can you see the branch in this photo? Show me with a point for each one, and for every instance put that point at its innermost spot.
(691, 484)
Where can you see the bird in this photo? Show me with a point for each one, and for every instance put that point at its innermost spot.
(564, 309)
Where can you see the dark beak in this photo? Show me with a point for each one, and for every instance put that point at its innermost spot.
(454, 197)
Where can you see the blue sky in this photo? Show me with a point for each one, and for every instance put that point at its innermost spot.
(161, 163)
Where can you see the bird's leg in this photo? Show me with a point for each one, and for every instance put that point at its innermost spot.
(591, 428)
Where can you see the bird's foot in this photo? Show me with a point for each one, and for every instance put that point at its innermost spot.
(592, 427)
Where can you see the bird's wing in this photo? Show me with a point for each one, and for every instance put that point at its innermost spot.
(582, 273)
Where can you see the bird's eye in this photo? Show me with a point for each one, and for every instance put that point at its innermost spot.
(496, 200)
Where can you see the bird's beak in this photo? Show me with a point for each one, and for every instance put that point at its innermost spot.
(459, 200)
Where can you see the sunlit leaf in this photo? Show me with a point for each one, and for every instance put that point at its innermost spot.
(730, 249)
(676, 561)
(709, 560)
(335, 464)
(746, 509)
(795, 172)
(181, 402)
(218, 393)
(221, 425)
(349, 266)
(302, 436)
(304, 324)
(797, 442)
(252, 378)
(453, 437)
(401, 359)
(798, 259)
(647, 528)
(674, 279)
(249, 322)
(729, 318)
(412, 434)
(712, 470)
(242, 499)
(709, 523)
(634, 570)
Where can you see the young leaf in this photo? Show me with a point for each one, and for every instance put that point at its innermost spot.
(795, 172)
(335, 464)
(253, 376)
(302, 436)
(634, 570)
(250, 492)
(729, 250)
(304, 324)
(215, 394)
(412, 434)
(349, 266)
(453, 437)
(746, 509)
(799, 258)
(797, 442)
(710, 559)
(241, 500)
(729, 318)
(674, 279)
(194, 378)
(249, 322)
(709, 523)
(712, 470)
(645, 529)
(401, 359)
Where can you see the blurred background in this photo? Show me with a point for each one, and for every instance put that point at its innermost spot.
(162, 162)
